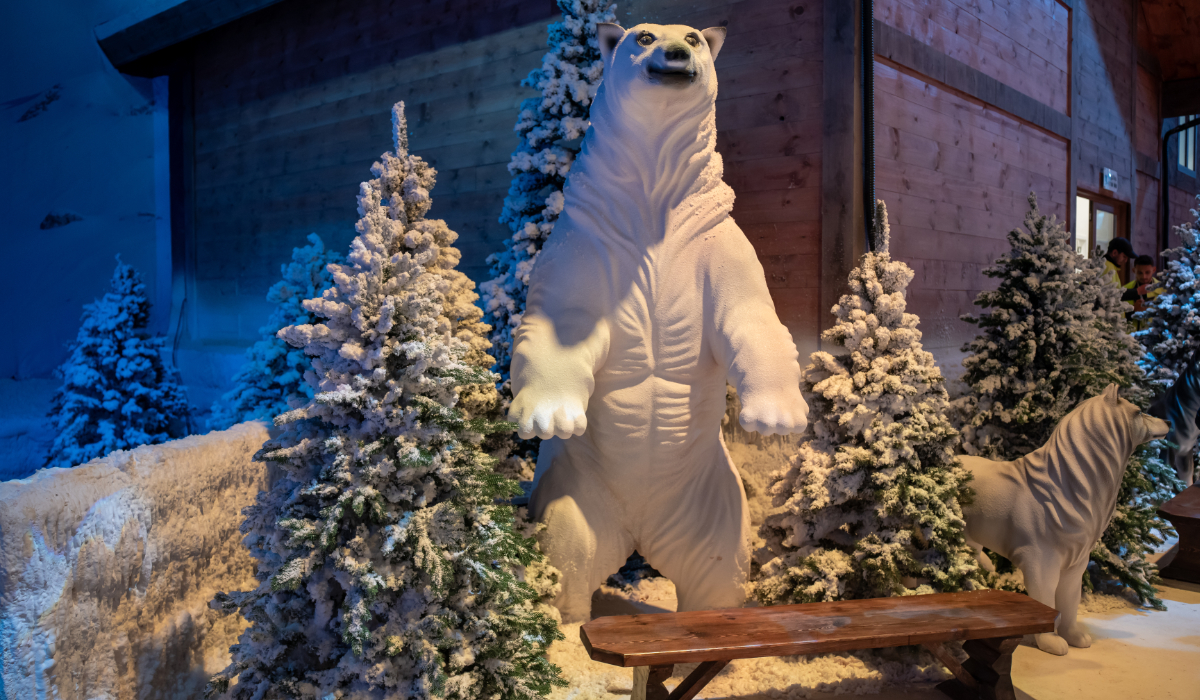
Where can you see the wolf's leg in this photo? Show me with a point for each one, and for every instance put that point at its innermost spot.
(702, 544)
(1042, 571)
(985, 562)
(583, 538)
(1067, 603)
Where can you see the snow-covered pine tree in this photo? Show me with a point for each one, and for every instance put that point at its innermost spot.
(386, 568)
(871, 504)
(1055, 334)
(568, 80)
(272, 379)
(1172, 338)
(117, 392)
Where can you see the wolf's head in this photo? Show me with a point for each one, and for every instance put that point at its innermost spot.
(1081, 465)
(666, 67)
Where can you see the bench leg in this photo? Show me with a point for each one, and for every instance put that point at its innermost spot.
(986, 675)
(648, 681)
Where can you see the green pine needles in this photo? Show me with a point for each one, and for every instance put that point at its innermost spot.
(386, 566)
(871, 505)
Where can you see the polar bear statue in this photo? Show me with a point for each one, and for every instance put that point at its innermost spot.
(643, 303)
(1046, 510)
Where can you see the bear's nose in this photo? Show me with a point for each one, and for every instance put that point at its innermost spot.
(677, 52)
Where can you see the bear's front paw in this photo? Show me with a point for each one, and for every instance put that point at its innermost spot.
(775, 415)
(547, 418)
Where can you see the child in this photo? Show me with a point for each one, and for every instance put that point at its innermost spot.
(1142, 288)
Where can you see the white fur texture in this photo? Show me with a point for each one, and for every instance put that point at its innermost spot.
(641, 306)
(1046, 510)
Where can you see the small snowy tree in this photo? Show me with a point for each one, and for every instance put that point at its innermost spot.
(272, 379)
(568, 80)
(1055, 335)
(1172, 338)
(871, 504)
(386, 568)
(1052, 338)
(117, 392)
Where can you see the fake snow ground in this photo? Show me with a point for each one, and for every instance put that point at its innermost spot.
(1138, 654)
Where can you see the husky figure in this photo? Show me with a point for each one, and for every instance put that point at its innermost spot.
(1046, 510)
(1179, 406)
(643, 303)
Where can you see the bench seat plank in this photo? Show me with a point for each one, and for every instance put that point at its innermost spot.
(813, 628)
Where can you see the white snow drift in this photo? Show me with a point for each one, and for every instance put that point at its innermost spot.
(106, 569)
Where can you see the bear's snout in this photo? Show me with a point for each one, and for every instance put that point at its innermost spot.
(678, 53)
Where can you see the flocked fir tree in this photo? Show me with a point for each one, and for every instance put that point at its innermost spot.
(272, 379)
(386, 567)
(871, 504)
(549, 125)
(117, 392)
(1172, 337)
(1055, 334)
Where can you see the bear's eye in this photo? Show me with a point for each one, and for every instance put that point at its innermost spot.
(645, 38)
(692, 39)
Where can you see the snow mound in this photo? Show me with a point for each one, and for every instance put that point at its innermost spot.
(106, 569)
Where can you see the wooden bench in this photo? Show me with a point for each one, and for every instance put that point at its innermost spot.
(991, 623)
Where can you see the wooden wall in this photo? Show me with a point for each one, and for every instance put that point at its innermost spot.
(292, 108)
(956, 170)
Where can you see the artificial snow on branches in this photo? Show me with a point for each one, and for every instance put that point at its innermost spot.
(871, 504)
(1056, 334)
(117, 392)
(272, 379)
(1172, 338)
(568, 80)
(386, 567)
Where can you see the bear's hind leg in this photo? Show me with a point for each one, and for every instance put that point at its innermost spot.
(583, 538)
(702, 543)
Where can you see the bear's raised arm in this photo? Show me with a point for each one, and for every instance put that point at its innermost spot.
(561, 342)
(748, 339)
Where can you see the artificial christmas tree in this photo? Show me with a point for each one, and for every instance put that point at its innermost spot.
(568, 80)
(1053, 337)
(386, 568)
(1055, 334)
(117, 391)
(871, 504)
(272, 379)
(1172, 337)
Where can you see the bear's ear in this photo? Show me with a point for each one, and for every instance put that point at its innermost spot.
(608, 35)
(715, 36)
(1110, 394)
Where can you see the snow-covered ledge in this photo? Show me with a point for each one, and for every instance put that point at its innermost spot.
(106, 569)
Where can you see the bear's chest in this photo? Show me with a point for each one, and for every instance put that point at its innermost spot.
(658, 324)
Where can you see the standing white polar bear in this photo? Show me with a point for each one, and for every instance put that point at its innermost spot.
(646, 299)
(1046, 510)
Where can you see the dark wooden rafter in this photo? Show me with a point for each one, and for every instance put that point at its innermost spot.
(842, 217)
(131, 37)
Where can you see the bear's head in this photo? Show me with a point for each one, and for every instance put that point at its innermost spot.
(661, 66)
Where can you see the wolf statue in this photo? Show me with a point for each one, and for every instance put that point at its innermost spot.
(1046, 510)
(1179, 407)
(643, 303)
